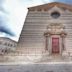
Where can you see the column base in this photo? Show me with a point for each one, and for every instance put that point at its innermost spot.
(65, 53)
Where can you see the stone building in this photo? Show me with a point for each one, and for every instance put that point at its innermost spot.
(47, 31)
(7, 45)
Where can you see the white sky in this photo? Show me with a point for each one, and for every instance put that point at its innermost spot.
(16, 13)
(17, 10)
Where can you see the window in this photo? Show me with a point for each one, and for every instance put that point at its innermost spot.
(11, 45)
(0, 42)
(55, 14)
(5, 44)
(45, 9)
(49, 71)
(8, 44)
(39, 9)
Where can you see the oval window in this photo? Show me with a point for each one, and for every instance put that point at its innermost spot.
(55, 14)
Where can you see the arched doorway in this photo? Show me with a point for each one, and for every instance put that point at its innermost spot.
(54, 38)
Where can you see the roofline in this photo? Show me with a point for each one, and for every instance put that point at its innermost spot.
(56, 3)
(9, 39)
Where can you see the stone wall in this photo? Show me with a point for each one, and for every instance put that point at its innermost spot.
(32, 38)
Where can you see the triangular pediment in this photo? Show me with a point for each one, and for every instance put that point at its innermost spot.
(51, 5)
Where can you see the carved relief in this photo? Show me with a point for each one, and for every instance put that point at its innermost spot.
(55, 28)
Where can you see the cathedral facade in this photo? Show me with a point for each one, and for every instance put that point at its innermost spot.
(47, 32)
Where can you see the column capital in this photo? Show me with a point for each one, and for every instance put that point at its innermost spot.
(63, 34)
(47, 34)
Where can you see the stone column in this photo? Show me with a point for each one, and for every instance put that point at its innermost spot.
(47, 42)
(50, 45)
(63, 42)
(60, 45)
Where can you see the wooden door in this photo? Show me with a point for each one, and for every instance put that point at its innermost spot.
(55, 45)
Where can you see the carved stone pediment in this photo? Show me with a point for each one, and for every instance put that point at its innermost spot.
(55, 28)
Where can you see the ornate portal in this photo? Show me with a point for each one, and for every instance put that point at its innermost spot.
(55, 36)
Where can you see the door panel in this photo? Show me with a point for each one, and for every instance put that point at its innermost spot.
(55, 45)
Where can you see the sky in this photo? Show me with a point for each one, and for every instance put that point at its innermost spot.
(13, 14)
